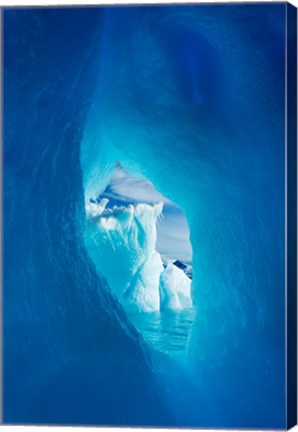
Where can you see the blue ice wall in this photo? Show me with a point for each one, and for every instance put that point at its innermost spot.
(69, 354)
(192, 97)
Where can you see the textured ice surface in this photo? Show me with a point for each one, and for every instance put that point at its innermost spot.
(175, 288)
(122, 244)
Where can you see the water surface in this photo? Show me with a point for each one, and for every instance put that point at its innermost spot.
(165, 331)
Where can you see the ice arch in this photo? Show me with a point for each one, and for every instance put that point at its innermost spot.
(209, 133)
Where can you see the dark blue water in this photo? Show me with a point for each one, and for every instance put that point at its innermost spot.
(192, 97)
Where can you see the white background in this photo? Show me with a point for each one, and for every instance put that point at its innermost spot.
(96, 2)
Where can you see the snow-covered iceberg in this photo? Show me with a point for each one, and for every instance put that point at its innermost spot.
(122, 244)
(175, 288)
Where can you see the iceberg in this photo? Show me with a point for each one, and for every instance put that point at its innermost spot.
(122, 243)
(175, 288)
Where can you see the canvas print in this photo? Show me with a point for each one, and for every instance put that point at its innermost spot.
(149, 189)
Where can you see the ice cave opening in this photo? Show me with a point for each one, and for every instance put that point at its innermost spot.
(139, 241)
